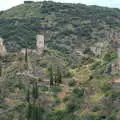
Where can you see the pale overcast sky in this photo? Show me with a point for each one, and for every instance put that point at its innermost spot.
(5, 4)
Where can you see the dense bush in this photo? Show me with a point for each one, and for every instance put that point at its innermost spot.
(71, 106)
(56, 89)
(111, 55)
(62, 115)
(72, 82)
(79, 92)
(106, 87)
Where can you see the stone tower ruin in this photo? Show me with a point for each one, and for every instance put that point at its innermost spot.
(2, 48)
(40, 43)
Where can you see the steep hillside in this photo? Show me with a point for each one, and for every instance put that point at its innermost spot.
(66, 26)
(77, 75)
(26, 91)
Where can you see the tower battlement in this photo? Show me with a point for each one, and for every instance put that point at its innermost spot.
(28, 2)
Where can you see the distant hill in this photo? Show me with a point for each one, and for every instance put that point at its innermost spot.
(66, 26)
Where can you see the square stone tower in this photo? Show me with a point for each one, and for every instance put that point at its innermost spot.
(2, 48)
(40, 43)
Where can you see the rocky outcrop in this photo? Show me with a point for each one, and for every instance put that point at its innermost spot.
(97, 48)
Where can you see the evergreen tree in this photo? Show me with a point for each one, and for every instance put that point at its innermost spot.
(59, 76)
(26, 58)
(36, 112)
(35, 91)
(33, 109)
(28, 96)
(39, 111)
(51, 76)
(0, 69)
(29, 111)
(55, 79)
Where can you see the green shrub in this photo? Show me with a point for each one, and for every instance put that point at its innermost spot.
(43, 88)
(106, 87)
(112, 117)
(95, 65)
(71, 106)
(57, 101)
(97, 108)
(110, 56)
(79, 92)
(72, 83)
(56, 89)
(65, 99)
(1, 98)
(3, 106)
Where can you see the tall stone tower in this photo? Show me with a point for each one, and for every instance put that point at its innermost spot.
(40, 43)
(2, 48)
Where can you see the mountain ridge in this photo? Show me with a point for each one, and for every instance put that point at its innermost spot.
(65, 26)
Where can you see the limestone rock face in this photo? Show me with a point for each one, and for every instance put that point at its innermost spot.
(96, 50)
(40, 43)
(2, 48)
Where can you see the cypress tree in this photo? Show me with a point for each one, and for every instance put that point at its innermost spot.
(0, 69)
(28, 96)
(39, 113)
(36, 112)
(59, 76)
(55, 79)
(33, 109)
(29, 111)
(33, 90)
(36, 90)
(26, 58)
(51, 76)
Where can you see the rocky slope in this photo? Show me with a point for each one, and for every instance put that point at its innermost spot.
(66, 26)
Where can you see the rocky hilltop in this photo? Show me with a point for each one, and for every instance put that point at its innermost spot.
(66, 26)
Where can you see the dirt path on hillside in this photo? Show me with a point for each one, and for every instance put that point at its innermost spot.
(65, 91)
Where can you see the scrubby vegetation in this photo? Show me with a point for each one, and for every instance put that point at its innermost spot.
(69, 81)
